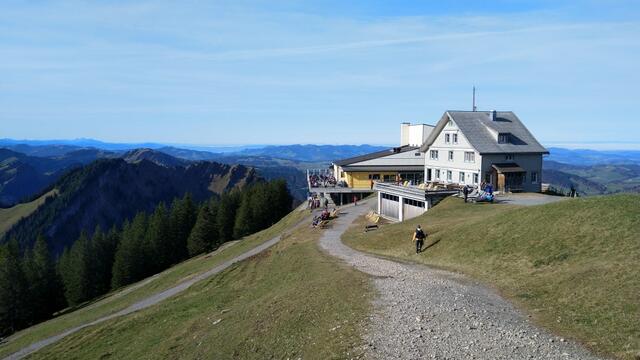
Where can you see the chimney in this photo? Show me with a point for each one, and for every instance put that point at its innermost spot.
(493, 115)
(405, 133)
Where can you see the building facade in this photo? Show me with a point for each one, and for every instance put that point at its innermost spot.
(471, 147)
(405, 161)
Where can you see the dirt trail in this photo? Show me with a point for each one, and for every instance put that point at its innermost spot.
(152, 299)
(425, 313)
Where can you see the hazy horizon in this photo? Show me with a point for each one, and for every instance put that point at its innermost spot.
(600, 146)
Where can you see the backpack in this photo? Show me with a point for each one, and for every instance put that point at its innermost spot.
(420, 234)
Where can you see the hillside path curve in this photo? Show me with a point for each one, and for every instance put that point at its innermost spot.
(155, 298)
(424, 313)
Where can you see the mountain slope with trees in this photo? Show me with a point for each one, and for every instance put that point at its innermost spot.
(146, 244)
(108, 191)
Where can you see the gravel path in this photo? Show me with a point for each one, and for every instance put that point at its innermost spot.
(432, 314)
(153, 299)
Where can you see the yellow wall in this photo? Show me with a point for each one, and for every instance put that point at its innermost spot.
(361, 179)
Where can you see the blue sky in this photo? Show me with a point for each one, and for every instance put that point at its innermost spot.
(282, 72)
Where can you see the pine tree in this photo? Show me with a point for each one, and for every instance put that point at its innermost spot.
(244, 220)
(104, 250)
(204, 234)
(182, 219)
(159, 238)
(133, 257)
(45, 296)
(14, 299)
(229, 203)
(76, 271)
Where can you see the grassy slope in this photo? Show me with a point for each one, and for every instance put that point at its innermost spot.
(573, 265)
(10, 216)
(114, 302)
(288, 302)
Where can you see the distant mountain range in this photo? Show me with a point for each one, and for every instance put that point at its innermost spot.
(41, 162)
(587, 157)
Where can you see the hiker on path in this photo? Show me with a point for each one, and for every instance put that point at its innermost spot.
(418, 236)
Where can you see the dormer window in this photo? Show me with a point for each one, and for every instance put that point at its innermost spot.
(504, 138)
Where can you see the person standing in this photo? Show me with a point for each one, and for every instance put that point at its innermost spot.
(371, 184)
(355, 200)
(418, 236)
(465, 191)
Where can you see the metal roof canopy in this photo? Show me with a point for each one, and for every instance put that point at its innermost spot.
(508, 168)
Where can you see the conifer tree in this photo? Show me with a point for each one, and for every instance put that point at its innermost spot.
(45, 296)
(226, 218)
(204, 235)
(159, 238)
(133, 257)
(76, 271)
(104, 250)
(183, 217)
(14, 306)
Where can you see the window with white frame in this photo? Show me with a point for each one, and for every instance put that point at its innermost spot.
(449, 123)
(461, 177)
(475, 178)
(450, 155)
(447, 138)
(437, 174)
(469, 157)
(534, 177)
(508, 156)
(433, 154)
(449, 175)
(455, 138)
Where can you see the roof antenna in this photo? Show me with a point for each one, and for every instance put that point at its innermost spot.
(474, 98)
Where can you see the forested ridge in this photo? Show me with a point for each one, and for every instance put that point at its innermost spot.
(34, 285)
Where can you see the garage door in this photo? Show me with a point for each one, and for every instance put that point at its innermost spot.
(390, 206)
(412, 208)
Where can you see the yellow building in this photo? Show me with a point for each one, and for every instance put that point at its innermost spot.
(405, 163)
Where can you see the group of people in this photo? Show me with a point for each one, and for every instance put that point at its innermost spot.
(485, 193)
(316, 202)
(324, 215)
(322, 180)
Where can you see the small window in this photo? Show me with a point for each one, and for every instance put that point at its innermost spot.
(469, 156)
(455, 138)
(534, 177)
(450, 155)
(475, 178)
(461, 177)
(508, 157)
(416, 154)
(503, 138)
(437, 174)
(374, 176)
(449, 175)
(447, 138)
(433, 154)
(449, 123)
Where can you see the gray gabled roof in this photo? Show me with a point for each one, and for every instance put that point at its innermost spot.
(375, 155)
(475, 126)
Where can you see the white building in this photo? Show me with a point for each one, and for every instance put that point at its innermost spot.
(468, 147)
